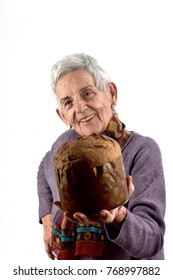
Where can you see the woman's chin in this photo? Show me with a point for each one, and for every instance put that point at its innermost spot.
(86, 131)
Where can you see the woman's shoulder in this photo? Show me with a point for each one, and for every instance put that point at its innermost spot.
(140, 142)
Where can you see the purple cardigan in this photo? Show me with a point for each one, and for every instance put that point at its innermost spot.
(142, 233)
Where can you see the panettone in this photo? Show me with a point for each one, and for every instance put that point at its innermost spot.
(90, 174)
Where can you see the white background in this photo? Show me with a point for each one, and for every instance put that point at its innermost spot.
(132, 40)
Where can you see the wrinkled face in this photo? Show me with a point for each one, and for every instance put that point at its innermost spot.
(86, 108)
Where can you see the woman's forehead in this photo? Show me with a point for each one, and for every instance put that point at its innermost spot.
(76, 81)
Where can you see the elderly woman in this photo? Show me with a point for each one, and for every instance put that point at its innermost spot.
(86, 102)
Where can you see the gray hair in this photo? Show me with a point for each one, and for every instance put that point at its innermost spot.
(79, 61)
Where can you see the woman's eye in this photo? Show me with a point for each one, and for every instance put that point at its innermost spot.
(68, 103)
(87, 94)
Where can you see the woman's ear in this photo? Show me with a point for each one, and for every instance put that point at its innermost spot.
(62, 117)
(113, 92)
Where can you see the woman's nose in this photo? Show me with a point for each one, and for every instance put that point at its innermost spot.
(80, 105)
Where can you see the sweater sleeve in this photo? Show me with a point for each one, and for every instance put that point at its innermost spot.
(142, 231)
(44, 192)
(46, 181)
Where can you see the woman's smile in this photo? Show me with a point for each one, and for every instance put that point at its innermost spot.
(87, 119)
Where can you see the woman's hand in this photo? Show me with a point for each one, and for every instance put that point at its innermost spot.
(114, 216)
(47, 227)
(117, 215)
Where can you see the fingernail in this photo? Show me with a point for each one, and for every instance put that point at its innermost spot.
(78, 218)
(102, 213)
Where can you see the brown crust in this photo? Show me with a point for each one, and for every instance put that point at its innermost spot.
(90, 174)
